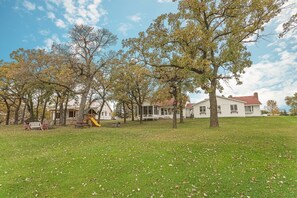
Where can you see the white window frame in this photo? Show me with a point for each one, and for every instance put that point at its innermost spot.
(249, 109)
(73, 114)
(202, 109)
(234, 108)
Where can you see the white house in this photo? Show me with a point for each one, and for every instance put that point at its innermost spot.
(156, 111)
(242, 106)
(251, 105)
(72, 109)
(163, 110)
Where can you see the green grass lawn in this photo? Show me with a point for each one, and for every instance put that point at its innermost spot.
(245, 157)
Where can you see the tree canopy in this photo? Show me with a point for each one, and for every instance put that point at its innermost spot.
(206, 38)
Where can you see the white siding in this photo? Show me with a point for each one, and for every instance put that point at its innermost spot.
(256, 111)
(106, 113)
(187, 112)
(225, 104)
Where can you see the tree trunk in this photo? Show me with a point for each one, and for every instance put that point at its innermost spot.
(65, 110)
(17, 110)
(24, 113)
(214, 121)
(43, 111)
(56, 110)
(7, 115)
(30, 108)
(124, 109)
(174, 120)
(37, 108)
(181, 113)
(132, 110)
(80, 116)
(7, 112)
(100, 111)
(140, 113)
(61, 112)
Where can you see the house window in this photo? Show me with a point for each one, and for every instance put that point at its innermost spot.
(105, 113)
(219, 109)
(156, 112)
(102, 113)
(202, 109)
(71, 114)
(144, 110)
(162, 111)
(57, 116)
(150, 110)
(249, 109)
(233, 108)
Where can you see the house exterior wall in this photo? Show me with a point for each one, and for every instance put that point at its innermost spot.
(256, 111)
(106, 113)
(225, 106)
(70, 116)
(187, 112)
(156, 113)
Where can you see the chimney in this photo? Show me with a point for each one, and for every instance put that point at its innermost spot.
(256, 95)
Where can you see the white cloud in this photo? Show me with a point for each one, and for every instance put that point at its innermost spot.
(56, 2)
(50, 41)
(81, 2)
(272, 79)
(40, 8)
(124, 27)
(59, 23)
(44, 32)
(135, 17)
(65, 13)
(51, 15)
(69, 7)
(29, 6)
(88, 12)
(164, 1)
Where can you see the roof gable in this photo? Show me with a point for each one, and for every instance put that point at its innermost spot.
(249, 100)
(166, 103)
(224, 98)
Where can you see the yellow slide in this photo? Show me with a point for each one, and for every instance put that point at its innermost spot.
(95, 122)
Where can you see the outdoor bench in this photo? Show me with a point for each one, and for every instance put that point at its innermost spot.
(35, 125)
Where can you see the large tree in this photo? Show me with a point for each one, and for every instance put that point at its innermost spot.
(171, 83)
(26, 67)
(132, 84)
(292, 102)
(86, 54)
(102, 87)
(207, 38)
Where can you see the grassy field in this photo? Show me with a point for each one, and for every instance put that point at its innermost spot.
(245, 157)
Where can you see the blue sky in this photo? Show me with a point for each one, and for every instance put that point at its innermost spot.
(37, 24)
